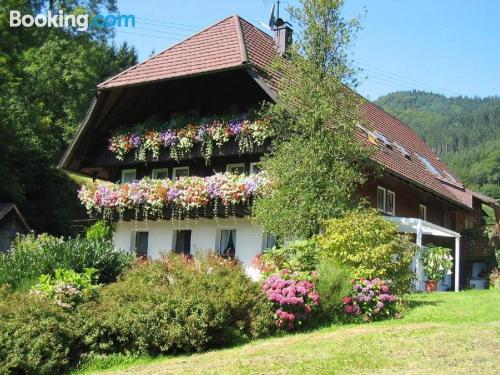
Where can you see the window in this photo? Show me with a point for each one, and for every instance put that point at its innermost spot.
(227, 242)
(381, 138)
(422, 212)
(269, 241)
(238, 168)
(428, 165)
(160, 174)
(402, 150)
(182, 243)
(390, 203)
(386, 201)
(255, 168)
(180, 172)
(140, 244)
(128, 175)
(381, 192)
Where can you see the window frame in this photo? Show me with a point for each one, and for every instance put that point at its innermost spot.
(174, 245)
(133, 243)
(175, 169)
(125, 171)
(154, 173)
(420, 206)
(393, 211)
(219, 237)
(252, 167)
(384, 190)
(235, 165)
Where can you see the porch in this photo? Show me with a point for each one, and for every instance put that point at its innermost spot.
(420, 228)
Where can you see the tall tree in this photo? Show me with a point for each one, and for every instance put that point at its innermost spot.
(46, 78)
(316, 162)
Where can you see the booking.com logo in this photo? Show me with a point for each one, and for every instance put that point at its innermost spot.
(81, 22)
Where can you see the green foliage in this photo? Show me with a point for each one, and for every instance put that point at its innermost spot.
(67, 288)
(465, 132)
(36, 337)
(100, 230)
(175, 306)
(316, 162)
(32, 256)
(369, 244)
(298, 256)
(47, 75)
(334, 282)
(436, 261)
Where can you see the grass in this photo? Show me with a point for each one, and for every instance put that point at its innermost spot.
(441, 333)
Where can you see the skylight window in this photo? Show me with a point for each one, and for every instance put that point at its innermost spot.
(450, 177)
(402, 150)
(427, 164)
(381, 138)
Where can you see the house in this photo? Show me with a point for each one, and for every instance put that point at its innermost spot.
(11, 224)
(223, 72)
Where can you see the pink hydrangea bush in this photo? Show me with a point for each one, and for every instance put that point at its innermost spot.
(293, 300)
(370, 300)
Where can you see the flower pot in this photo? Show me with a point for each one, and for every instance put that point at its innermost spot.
(431, 286)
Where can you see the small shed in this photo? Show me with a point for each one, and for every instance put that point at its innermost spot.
(12, 222)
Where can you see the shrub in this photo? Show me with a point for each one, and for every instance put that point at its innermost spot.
(100, 230)
(32, 256)
(294, 300)
(302, 256)
(175, 305)
(436, 262)
(370, 245)
(370, 300)
(333, 282)
(494, 279)
(67, 288)
(36, 337)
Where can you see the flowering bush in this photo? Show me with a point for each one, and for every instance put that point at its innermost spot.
(67, 288)
(144, 140)
(436, 261)
(370, 299)
(183, 195)
(294, 300)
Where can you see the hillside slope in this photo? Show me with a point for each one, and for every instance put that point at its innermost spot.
(464, 132)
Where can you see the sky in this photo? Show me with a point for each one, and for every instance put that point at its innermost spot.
(451, 47)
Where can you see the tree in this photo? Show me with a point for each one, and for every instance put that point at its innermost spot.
(46, 78)
(315, 163)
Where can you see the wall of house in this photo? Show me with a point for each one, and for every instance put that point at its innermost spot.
(205, 235)
(10, 226)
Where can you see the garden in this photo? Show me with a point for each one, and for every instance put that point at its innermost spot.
(67, 303)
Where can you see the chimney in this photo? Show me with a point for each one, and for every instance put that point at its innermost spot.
(282, 36)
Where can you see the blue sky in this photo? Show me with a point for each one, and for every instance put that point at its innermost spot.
(447, 46)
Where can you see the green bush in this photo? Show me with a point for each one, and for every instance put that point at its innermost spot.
(174, 306)
(36, 337)
(333, 283)
(67, 288)
(32, 256)
(298, 256)
(371, 246)
(100, 230)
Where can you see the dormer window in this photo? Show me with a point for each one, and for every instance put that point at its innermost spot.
(128, 175)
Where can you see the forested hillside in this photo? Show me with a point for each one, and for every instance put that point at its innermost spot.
(464, 132)
(46, 80)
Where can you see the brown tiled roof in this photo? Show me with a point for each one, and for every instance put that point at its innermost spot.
(236, 43)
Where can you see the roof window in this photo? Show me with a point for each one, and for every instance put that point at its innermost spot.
(427, 164)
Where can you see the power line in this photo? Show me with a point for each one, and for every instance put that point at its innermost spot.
(162, 31)
(162, 22)
(148, 35)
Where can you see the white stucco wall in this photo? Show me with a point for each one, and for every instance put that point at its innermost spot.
(204, 236)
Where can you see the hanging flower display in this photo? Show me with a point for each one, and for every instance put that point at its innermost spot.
(151, 197)
(149, 139)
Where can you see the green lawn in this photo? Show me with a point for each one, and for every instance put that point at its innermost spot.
(442, 333)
